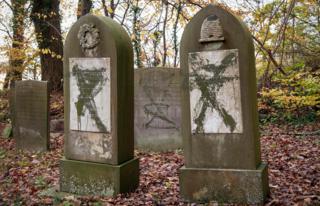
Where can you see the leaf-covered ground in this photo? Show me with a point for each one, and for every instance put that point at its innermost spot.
(293, 155)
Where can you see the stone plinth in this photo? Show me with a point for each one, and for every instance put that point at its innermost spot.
(224, 185)
(88, 178)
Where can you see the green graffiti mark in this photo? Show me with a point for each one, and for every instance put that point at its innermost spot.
(90, 82)
(157, 110)
(209, 79)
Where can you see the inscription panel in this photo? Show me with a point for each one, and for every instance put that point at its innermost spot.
(215, 102)
(90, 146)
(90, 94)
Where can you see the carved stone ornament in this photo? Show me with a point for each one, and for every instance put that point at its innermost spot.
(211, 30)
(89, 37)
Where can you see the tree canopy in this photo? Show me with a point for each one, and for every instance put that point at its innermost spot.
(285, 32)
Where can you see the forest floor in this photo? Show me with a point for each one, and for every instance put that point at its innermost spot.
(292, 153)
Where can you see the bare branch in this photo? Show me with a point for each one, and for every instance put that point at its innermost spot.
(6, 29)
(270, 55)
(8, 4)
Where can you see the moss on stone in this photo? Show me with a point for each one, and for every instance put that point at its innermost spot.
(88, 178)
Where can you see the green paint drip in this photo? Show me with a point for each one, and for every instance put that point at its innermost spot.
(156, 109)
(228, 119)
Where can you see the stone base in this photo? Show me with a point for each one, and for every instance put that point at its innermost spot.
(224, 185)
(88, 178)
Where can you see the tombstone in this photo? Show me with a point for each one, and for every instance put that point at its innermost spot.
(30, 115)
(219, 112)
(98, 91)
(11, 95)
(157, 109)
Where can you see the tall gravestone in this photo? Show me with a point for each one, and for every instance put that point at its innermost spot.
(219, 112)
(30, 115)
(98, 89)
(157, 109)
(12, 107)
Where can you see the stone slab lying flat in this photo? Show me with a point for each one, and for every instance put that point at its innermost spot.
(87, 178)
(224, 185)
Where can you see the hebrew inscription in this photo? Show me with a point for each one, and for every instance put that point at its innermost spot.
(215, 101)
(94, 146)
(90, 94)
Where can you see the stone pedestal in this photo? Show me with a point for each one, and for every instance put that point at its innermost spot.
(88, 178)
(224, 185)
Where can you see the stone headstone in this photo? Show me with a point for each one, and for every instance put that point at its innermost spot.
(157, 109)
(98, 92)
(12, 107)
(219, 112)
(31, 115)
(56, 125)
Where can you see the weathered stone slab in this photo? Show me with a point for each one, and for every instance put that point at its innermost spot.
(157, 109)
(88, 178)
(12, 108)
(89, 146)
(224, 185)
(56, 125)
(214, 82)
(31, 102)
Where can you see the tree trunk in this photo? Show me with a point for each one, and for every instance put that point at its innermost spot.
(110, 13)
(46, 18)
(175, 35)
(136, 33)
(165, 49)
(84, 7)
(17, 54)
(156, 41)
